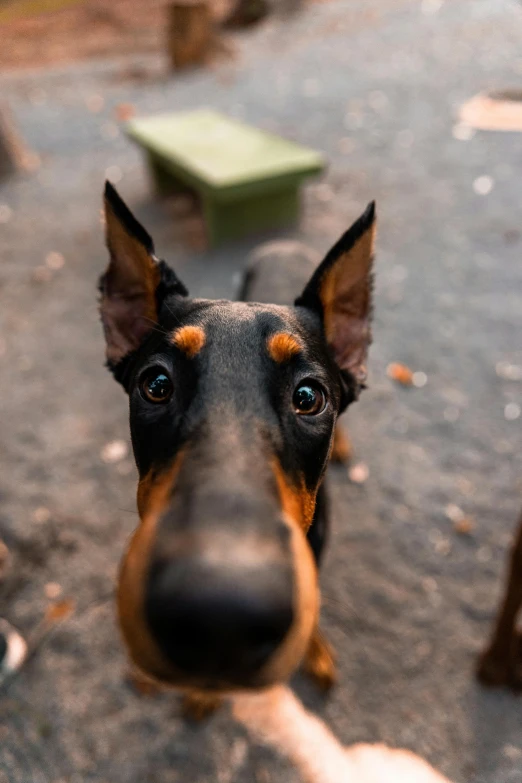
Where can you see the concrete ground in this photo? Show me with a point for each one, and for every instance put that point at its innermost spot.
(408, 602)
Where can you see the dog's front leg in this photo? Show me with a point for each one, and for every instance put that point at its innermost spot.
(342, 448)
(198, 705)
(319, 661)
(501, 663)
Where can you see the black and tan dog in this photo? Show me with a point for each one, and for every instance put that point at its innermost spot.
(233, 407)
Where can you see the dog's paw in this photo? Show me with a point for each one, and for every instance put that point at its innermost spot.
(319, 662)
(198, 706)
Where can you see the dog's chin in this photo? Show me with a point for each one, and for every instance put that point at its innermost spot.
(222, 686)
(218, 685)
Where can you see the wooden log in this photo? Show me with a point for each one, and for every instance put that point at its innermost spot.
(14, 155)
(190, 33)
(8, 146)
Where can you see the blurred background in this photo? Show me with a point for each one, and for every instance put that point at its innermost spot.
(423, 516)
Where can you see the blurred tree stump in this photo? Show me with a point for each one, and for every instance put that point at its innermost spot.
(13, 154)
(190, 33)
(247, 12)
(9, 148)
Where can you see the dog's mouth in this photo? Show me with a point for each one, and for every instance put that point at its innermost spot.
(222, 683)
(232, 678)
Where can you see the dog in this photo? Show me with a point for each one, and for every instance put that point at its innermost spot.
(501, 663)
(233, 409)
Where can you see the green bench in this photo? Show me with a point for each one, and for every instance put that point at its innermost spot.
(247, 180)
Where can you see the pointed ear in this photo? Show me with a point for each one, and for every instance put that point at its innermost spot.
(134, 283)
(341, 292)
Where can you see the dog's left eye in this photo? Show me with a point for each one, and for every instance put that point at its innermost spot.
(309, 399)
(156, 387)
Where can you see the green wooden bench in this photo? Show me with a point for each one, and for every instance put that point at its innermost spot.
(248, 180)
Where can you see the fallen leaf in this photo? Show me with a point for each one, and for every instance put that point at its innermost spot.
(464, 526)
(400, 373)
(125, 111)
(496, 112)
(59, 611)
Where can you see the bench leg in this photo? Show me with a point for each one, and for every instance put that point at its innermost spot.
(234, 219)
(164, 183)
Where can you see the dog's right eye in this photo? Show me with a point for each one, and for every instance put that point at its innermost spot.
(309, 399)
(156, 387)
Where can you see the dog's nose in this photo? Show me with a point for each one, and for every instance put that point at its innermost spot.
(217, 623)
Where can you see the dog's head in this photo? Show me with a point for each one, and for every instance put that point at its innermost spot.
(232, 412)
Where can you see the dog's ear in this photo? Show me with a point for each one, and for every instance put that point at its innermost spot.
(135, 281)
(340, 290)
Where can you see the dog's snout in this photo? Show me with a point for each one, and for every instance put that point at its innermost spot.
(219, 623)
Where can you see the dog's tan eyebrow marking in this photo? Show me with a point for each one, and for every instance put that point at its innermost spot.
(189, 339)
(283, 346)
